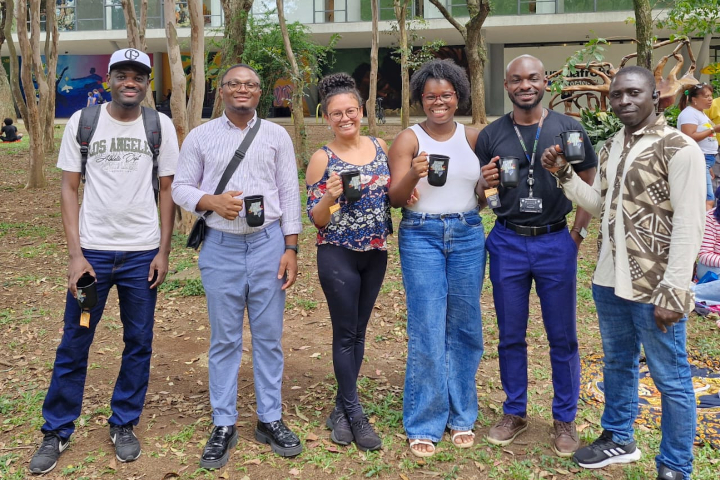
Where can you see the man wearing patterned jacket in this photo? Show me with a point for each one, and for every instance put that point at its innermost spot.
(649, 196)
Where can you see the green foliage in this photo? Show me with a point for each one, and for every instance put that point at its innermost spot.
(415, 56)
(693, 18)
(591, 52)
(599, 125)
(671, 114)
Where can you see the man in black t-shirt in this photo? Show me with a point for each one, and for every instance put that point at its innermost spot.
(9, 131)
(530, 241)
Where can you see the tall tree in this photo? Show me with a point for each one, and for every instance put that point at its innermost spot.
(136, 32)
(7, 106)
(695, 18)
(233, 42)
(471, 32)
(401, 10)
(643, 33)
(372, 94)
(38, 100)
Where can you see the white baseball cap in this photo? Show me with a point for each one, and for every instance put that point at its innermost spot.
(130, 57)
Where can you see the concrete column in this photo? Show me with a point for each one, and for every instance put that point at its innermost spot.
(494, 77)
(157, 63)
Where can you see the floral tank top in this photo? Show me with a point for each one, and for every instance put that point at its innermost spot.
(362, 225)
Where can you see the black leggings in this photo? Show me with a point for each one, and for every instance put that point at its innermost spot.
(351, 282)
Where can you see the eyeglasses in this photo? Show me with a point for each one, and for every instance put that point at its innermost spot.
(234, 86)
(350, 113)
(431, 98)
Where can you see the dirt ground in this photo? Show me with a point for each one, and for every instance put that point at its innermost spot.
(176, 420)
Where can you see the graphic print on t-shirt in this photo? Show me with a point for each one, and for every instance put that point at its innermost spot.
(123, 154)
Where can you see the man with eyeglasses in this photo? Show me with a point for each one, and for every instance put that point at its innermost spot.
(243, 266)
(114, 237)
(530, 242)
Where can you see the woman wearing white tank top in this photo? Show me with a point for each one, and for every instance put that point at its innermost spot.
(442, 253)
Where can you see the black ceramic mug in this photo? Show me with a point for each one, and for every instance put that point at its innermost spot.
(87, 292)
(437, 169)
(254, 210)
(352, 188)
(571, 142)
(509, 172)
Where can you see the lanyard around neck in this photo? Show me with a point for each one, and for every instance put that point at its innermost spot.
(530, 158)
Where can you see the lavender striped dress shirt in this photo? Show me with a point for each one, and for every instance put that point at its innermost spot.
(268, 169)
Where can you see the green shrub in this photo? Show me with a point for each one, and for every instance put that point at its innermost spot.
(599, 125)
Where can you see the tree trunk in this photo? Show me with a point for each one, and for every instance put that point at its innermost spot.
(301, 153)
(136, 34)
(197, 64)
(233, 42)
(372, 94)
(14, 64)
(177, 74)
(7, 105)
(51, 59)
(643, 32)
(401, 15)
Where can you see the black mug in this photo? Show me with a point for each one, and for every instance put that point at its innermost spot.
(87, 292)
(352, 188)
(254, 210)
(509, 171)
(437, 169)
(571, 142)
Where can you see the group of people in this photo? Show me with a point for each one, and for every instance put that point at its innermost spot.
(647, 193)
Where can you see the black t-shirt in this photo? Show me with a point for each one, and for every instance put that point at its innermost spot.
(10, 132)
(499, 139)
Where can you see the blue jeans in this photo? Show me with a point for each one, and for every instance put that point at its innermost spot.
(624, 326)
(239, 272)
(709, 162)
(551, 261)
(443, 264)
(128, 271)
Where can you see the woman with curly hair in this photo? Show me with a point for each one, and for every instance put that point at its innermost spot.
(351, 248)
(442, 253)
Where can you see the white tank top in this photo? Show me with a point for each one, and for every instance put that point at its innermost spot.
(458, 193)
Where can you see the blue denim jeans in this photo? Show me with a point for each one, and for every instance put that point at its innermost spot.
(128, 271)
(443, 264)
(709, 162)
(624, 326)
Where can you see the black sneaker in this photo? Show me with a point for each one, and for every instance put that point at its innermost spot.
(127, 446)
(365, 436)
(48, 453)
(340, 426)
(664, 473)
(604, 451)
(281, 439)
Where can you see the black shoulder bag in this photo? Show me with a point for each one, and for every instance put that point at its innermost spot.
(197, 234)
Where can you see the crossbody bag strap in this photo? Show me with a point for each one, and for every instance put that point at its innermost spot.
(238, 157)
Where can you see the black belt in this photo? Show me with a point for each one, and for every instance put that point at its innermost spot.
(533, 231)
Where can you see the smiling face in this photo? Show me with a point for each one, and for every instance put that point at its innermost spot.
(128, 86)
(525, 82)
(632, 100)
(241, 100)
(439, 100)
(340, 108)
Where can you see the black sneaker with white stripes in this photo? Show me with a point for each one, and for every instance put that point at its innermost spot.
(604, 451)
(47, 455)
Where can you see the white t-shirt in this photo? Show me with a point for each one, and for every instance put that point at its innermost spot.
(118, 210)
(693, 116)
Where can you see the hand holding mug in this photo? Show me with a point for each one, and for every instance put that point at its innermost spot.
(227, 205)
(419, 165)
(491, 173)
(334, 186)
(552, 159)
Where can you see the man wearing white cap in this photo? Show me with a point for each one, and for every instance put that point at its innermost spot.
(113, 236)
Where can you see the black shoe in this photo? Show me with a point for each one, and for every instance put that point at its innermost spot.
(604, 451)
(664, 473)
(365, 436)
(340, 426)
(127, 446)
(48, 453)
(282, 441)
(217, 449)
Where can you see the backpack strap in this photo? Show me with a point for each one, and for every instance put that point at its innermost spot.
(86, 128)
(151, 121)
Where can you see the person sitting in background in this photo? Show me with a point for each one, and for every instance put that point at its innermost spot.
(9, 132)
(693, 122)
(709, 256)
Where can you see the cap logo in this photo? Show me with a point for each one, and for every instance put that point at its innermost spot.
(132, 54)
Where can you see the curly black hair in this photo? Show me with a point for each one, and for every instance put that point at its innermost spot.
(335, 84)
(441, 70)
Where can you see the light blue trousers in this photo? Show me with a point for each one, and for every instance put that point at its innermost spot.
(240, 271)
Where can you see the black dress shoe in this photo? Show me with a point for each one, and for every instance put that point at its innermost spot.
(282, 441)
(217, 448)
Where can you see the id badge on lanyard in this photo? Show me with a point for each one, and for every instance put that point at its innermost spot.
(530, 204)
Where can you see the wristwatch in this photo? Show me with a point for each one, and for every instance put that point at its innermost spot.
(582, 232)
(294, 248)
